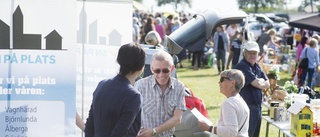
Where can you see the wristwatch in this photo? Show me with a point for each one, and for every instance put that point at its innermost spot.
(154, 132)
(211, 129)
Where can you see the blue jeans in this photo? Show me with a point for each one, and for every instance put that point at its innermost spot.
(310, 72)
(221, 56)
(255, 120)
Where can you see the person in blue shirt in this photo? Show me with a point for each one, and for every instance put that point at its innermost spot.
(116, 106)
(312, 53)
(235, 50)
(255, 81)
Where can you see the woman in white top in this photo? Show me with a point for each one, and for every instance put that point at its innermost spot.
(234, 112)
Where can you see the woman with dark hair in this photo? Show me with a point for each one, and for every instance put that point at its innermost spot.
(115, 108)
(300, 47)
(149, 26)
(289, 36)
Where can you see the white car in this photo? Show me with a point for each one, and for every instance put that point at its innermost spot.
(256, 28)
(258, 22)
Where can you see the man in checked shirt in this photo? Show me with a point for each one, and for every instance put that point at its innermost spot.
(163, 100)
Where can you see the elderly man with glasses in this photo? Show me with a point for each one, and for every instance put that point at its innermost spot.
(163, 100)
(255, 81)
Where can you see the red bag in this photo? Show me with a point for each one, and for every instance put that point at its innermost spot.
(195, 102)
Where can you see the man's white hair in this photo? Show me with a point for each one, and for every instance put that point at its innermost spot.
(162, 55)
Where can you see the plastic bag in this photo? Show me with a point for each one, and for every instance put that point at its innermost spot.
(295, 78)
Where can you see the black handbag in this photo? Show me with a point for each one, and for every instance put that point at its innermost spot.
(304, 61)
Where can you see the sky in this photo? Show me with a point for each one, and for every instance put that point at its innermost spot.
(200, 5)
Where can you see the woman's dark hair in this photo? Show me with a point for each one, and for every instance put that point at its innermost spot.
(304, 41)
(149, 25)
(131, 58)
(246, 35)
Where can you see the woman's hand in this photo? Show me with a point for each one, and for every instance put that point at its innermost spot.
(203, 126)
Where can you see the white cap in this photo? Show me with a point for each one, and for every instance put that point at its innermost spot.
(252, 46)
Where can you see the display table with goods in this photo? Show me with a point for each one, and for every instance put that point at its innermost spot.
(284, 58)
(284, 127)
(297, 119)
(302, 119)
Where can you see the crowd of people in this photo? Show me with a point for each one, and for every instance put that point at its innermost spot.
(164, 24)
(154, 105)
(307, 47)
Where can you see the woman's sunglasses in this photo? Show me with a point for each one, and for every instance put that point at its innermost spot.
(223, 78)
(157, 71)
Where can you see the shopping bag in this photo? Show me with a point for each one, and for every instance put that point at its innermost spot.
(304, 63)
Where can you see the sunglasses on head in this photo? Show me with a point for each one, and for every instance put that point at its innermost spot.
(157, 71)
(223, 78)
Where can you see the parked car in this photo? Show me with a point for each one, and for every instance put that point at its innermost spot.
(263, 18)
(256, 28)
(276, 18)
(284, 15)
(257, 23)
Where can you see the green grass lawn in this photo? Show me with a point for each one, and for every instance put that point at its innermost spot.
(204, 84)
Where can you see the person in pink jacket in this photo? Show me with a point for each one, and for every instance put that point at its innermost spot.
(160, 28)
(300, 47)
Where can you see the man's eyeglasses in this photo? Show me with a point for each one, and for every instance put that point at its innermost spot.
(157, 71)
(223, 78)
